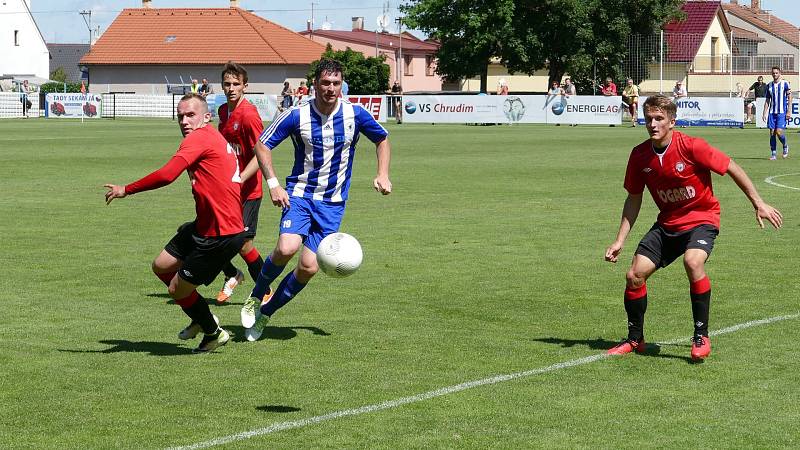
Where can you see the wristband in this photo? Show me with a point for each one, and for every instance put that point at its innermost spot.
(272, 183)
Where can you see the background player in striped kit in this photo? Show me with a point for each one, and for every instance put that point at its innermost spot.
(777, 113)
(324, 131)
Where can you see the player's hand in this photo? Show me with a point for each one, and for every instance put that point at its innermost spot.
(774, 216)
(382, 185)
(612, 252)
(114, 191)
(279, 197)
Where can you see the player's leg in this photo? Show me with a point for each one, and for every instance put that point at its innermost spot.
(167, 263)
(781, 132)
(700, 244)
(648, 258)
(773, 130)
(233, 277)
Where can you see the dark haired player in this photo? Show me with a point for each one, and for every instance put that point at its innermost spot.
(196, 254)
(241, 125)
(324, 131)
(777, 112)
(676, 169)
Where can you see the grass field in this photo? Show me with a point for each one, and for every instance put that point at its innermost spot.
(486, 260)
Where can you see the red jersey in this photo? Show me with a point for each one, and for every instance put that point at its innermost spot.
(242, 129)
(679, 180)
(214, 171)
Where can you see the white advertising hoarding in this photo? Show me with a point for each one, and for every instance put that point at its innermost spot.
(512, 109)
(705, 111)
(72, 105)
(794, 122)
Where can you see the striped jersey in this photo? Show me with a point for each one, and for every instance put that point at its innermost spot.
(778, 96)
(324, 147)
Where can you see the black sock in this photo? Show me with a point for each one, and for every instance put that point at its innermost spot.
(254, 267)
(701, 304)
(636, 309)
(201, 314)
(230, 270)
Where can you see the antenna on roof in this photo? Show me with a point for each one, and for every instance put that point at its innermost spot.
(383, 22)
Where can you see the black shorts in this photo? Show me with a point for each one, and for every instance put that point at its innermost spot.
(202, 257)
(663, 247)
(250, 210)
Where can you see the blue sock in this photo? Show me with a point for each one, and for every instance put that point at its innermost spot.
(783, 140)
(772, 142)
(288, 288)
(269, 272)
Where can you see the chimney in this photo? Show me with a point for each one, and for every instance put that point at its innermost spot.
(358, 23)
(147, 4)
(234, 3)
(755, 5)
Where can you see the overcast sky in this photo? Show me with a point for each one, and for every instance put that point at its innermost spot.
(60, 21)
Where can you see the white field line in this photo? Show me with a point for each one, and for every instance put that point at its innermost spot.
(449, 390)
(769, 180)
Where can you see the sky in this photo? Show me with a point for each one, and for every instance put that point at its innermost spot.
(60, 21)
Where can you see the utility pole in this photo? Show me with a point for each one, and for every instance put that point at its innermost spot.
(88, 22)
(401, 65)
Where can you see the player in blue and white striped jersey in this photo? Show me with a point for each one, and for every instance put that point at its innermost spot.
(777, 112)
(324, 131)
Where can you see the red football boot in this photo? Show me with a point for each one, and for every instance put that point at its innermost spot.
(627, 346)
(701, 347)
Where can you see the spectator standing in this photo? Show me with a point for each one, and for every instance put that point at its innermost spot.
(195, 88)
(25, 89)
(205, 88)
(759, 90)
(286, 96)
(301, 92)
(679, 90)
(397, 101)
(609, 89)
(630, 95)
(569, 88)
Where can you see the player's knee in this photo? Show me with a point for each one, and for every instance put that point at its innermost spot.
(694, 265)
(285, 250)
(634, 279)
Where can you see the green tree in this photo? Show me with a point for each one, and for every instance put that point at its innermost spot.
(364, 75)
(579, 37)
(59, 75)
(470, 33)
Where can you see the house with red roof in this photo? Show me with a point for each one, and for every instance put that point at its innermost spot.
(405, 53)
(778, 39)
(145, 50)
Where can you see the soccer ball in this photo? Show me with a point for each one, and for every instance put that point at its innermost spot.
(339, 255)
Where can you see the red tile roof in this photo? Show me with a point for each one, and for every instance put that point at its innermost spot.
(366, 37)
(741, 33)
(773, 25)
(199, 36)
(684, 37)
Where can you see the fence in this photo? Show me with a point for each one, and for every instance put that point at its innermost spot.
(656, 61)
(11, 104)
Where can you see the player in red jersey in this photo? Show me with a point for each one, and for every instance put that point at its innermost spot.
(676, 169)
(196, 254)
(241, 125)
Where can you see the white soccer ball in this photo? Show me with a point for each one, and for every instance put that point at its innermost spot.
(339, 255)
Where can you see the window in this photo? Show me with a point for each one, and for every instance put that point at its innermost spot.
(429, 69)
(16, 38)
(407, 67)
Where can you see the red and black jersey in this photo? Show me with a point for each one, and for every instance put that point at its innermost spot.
(241, 129)
(214, 171)
(679, 180)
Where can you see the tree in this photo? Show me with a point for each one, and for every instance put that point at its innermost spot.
(59, 75)
(470, 33)
(577, 37)
(365, 76)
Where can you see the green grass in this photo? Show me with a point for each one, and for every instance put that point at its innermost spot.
(485, 260)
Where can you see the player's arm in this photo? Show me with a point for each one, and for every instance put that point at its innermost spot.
(763, 210)
(161, 177)
(381, 182)
(789, 104)
(630, 212)
(263, 161)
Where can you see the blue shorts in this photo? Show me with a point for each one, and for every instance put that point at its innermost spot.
(775, 121)
(312, 219)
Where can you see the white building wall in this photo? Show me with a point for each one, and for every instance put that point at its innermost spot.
(773, 45)
(28, 55)
(152, 79)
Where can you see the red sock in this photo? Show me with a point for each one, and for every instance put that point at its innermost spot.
(189, 300)
(700, 286)
(635, 293)
(251, 256)
(166, 277)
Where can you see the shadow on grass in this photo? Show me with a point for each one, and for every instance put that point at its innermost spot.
(210, 301)
(277, 408)
(152, 348)
(275, 333)
(604, 344)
